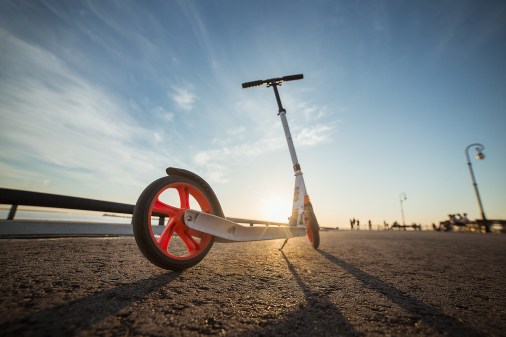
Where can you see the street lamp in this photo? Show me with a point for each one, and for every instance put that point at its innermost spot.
(479, 155)
(402, 197)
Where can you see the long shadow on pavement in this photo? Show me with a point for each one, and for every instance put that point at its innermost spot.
(69, 318)
(427, 313)
(318, 317)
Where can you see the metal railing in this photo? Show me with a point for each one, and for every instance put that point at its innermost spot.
(17, 198)
(27, 198)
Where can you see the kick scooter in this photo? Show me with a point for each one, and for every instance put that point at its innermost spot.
(177, 218)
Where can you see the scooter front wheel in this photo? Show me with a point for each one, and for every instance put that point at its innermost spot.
(174, 245)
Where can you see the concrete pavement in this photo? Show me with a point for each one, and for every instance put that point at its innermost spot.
(357, 284)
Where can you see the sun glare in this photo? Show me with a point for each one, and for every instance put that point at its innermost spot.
(276, 209)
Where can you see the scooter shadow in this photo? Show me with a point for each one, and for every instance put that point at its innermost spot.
(68, 319)
(427, 313)
(317, 317)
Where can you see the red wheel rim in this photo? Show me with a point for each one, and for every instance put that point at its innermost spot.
(178, 241)
(309, 232)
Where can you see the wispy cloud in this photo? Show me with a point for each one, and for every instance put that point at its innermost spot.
(236, 131)
(260, 138)
(184, 97)
(317, 134)
(216, 160)
(197, 25)
(312, 112)
(163, 113)
(70, 129)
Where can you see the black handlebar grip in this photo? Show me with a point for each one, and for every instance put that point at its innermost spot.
(252, 84)
(292, 77)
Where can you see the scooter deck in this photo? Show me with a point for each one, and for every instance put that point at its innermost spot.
(229, 231)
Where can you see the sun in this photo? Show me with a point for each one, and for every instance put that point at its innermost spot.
(276, 209)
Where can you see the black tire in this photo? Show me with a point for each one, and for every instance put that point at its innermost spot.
(312, 227)
(168, 250)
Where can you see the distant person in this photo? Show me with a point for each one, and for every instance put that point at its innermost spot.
(455, 220)
(385, 225)
(464, 220)
(358, 225)
(370, 225)
(352, 223)
(447, 225)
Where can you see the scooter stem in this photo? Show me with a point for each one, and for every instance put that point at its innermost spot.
(288, 135)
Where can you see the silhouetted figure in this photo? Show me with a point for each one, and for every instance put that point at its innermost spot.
(370, 225)
(463, 220)
(447, 225)
(352, 223)
(416, 226)
(358, 225)
(385, 225)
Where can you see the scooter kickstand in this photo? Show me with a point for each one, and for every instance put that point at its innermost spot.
(284, 243)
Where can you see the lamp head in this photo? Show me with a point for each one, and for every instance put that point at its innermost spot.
(480, 155)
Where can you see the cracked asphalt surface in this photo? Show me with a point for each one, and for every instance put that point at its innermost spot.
(358, 284)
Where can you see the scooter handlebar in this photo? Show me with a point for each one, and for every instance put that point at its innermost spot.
(271, 81)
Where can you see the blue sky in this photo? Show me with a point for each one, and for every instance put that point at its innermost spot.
(97, 98)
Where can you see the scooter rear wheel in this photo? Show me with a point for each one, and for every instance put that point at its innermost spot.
(312, 227)
(174, 245)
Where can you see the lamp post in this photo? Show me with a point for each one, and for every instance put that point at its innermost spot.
(479, 155)
(402, 197)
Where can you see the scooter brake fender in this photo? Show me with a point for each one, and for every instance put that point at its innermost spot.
(173, 171)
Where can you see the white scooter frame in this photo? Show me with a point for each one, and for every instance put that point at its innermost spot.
(226, 229)
(299, 193)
